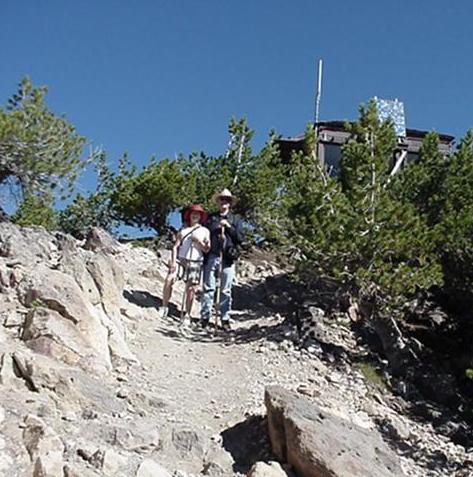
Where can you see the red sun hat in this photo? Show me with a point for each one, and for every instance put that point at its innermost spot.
(195, 208)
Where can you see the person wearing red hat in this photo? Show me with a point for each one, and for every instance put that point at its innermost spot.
(187, 257)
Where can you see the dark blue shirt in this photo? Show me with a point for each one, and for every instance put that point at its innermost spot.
(233, 234)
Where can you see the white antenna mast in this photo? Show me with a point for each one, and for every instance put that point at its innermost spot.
(318, 94)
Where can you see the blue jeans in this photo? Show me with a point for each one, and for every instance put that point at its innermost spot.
(211, 268)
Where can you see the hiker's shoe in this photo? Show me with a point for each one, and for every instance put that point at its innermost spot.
(164, 312)
(226, 326)
(186, 321)
(204, 324)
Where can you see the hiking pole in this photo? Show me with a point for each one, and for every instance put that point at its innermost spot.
(219, 279)
(183, 302)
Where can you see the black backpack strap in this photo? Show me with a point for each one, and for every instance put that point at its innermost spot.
(190, 233)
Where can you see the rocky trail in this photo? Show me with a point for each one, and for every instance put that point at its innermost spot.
(171, 400)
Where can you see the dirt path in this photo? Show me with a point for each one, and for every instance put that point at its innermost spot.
(209, 391)
(210, 382)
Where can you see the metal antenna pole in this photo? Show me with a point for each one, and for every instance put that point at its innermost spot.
(317, 104)
(319, 92)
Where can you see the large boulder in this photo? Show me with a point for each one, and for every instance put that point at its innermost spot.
(26, 246)
(62, 317)
(48, 332)
(318, 444)
(108, 277)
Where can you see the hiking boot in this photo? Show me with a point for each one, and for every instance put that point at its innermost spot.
(226, 326)
(204, 324)
(164, 312)
(186, 320)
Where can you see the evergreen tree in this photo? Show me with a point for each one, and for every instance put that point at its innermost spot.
(39, 150)
(146, 198)
(353, 229)
(455, 230)
(422, 182)
(255, 179)
(37, 209)
(93, 210)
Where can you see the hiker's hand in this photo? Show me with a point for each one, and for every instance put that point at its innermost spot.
(206, 246)
(199, 242)
(225, 223)
(172, 267)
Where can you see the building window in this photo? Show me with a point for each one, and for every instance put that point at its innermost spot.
(412, 157)
(332, 154)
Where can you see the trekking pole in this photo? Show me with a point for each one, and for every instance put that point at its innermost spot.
(219, 280)
(183, 302)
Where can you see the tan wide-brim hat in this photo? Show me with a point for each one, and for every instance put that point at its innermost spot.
(225, 193)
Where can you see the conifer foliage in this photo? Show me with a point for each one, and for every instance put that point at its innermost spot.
(39, 150)
(354, 228)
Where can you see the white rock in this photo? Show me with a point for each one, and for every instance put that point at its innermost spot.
(7, 375)
(261, 469)
(5, 463)
(149, 468)
(44, 447)
(113, 462)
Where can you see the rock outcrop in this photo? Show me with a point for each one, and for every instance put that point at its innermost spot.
(318, 444)
(72, 297)
(76, 402)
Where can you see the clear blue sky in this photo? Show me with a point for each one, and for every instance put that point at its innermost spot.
(163, 77)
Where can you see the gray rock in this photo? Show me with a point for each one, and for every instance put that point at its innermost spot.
(26, 246)
(7, 374)
(318, 444)
(218, 462)
(271, 469)
(99, 240)
(149, 468)
(44, 447)
(113, 463)
(187, 442)
(58, 292)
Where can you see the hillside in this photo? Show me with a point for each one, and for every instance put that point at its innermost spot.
(93, 383)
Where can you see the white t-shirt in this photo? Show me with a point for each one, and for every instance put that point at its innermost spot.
(188, 250)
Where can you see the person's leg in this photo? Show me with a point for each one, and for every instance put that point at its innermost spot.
(226, 293)
(190, 294)
(167, 293)
(208, 289)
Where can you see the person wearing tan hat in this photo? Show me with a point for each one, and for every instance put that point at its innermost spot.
(226, 233)
(187, 257)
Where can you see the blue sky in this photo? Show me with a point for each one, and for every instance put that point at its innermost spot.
(163, 77)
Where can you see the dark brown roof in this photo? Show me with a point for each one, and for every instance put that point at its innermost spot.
(340, 126)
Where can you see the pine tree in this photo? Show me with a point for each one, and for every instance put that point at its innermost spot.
(37, 209)
(39, 151)
(455, 230)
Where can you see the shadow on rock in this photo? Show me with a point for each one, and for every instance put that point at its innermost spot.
(247, 442)
(142, 298)
(277, 293)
